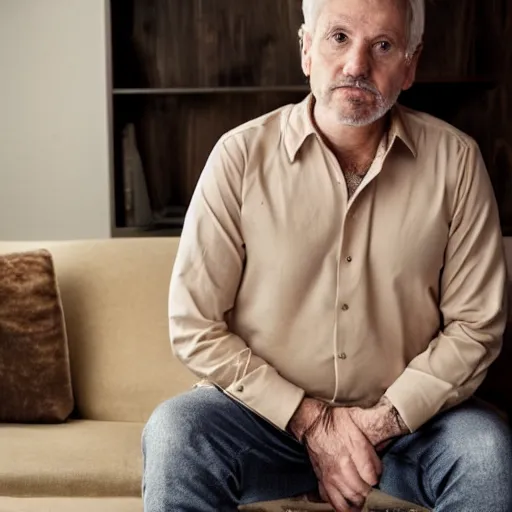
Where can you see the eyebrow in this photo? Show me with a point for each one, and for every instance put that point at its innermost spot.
(343, 23)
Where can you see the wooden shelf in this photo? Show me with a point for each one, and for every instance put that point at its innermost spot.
(212, 90)
(162, 91)
(129, 232)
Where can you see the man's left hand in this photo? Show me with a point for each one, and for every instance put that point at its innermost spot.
(380, 423)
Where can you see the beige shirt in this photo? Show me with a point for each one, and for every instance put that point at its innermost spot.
(284, 287)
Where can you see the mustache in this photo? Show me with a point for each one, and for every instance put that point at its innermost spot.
(357, 83)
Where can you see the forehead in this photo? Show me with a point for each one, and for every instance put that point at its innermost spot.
(365, 15)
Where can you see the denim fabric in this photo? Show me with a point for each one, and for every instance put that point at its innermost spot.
(205, 452)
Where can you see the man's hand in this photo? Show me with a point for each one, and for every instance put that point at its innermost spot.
(380, 423)
(344, 461)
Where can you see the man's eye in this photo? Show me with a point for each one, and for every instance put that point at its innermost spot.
(383, 46)
(340, 37)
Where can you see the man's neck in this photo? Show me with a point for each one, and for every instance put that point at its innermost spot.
(349, 143)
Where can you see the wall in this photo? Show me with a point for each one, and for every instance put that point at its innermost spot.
(54, 146)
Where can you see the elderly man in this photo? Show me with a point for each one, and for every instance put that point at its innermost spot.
(340, 288)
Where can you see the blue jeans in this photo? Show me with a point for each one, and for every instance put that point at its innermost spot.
(204, 452)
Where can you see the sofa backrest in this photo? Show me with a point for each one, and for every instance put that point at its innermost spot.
(115, 296)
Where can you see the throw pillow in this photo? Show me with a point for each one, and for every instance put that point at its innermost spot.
(35, 377)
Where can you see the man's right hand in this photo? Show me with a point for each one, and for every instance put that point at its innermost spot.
(344, 460)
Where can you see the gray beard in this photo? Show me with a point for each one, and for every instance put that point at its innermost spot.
(359, 120)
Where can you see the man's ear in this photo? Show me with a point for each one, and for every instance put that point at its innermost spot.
(305, 49)
(412, 67)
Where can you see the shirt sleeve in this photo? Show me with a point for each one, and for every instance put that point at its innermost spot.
(472, 304)
(206, 276)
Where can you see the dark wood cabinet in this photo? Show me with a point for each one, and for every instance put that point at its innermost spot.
(186, 71)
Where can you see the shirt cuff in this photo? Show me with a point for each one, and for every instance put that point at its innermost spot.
(268, 394)
(418, 396)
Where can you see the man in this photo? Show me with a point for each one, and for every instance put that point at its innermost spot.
(340, 284)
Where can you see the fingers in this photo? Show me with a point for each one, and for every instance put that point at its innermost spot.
(372, 474)
(365, 458)
(342, 486)
(341, 479)
(335, 498)
(322, 492)
(349, 482)
(367, 463)
(377, 465)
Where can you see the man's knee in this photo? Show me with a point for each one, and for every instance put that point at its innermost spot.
(478, 442)
(167, 422)
(182, 420)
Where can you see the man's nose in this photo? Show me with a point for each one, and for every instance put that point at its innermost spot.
(357, 62)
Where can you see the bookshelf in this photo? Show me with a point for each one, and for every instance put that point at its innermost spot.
(186, 71)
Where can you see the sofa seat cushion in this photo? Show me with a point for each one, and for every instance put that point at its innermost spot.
(8, 504)
(77, 458)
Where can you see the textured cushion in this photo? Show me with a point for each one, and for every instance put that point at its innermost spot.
(35, 381)
(115, 295)
(77, 458)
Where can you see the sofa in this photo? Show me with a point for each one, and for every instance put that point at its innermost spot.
(114, 297)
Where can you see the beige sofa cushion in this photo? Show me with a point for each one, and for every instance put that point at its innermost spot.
(70, 504)
(115, 295)
(78, 458)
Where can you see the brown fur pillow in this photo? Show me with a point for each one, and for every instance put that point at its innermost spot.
(35, 380)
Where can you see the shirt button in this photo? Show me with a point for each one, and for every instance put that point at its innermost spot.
(349, 259)
(240, 389)
(344, 307)
(342, 355)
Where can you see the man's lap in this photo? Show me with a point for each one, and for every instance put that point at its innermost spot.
(272, 465)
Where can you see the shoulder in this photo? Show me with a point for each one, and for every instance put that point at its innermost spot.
(430, 132)
(237, 150)
(260, 132)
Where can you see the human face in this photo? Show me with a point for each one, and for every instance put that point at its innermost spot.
(356, 58)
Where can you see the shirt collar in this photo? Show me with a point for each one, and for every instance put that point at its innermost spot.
(400, 129)
(298, 126)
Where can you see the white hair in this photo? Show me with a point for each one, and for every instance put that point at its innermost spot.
(416, 8)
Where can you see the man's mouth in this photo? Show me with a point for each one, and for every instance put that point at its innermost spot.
(354, 90)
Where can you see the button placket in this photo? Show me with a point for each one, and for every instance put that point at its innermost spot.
(346, 280)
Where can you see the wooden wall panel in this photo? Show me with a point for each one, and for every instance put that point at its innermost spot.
(207, 43)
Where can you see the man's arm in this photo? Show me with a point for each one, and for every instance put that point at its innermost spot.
(309, 413)
(472, 304)
(380, 423)
(204, 284)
